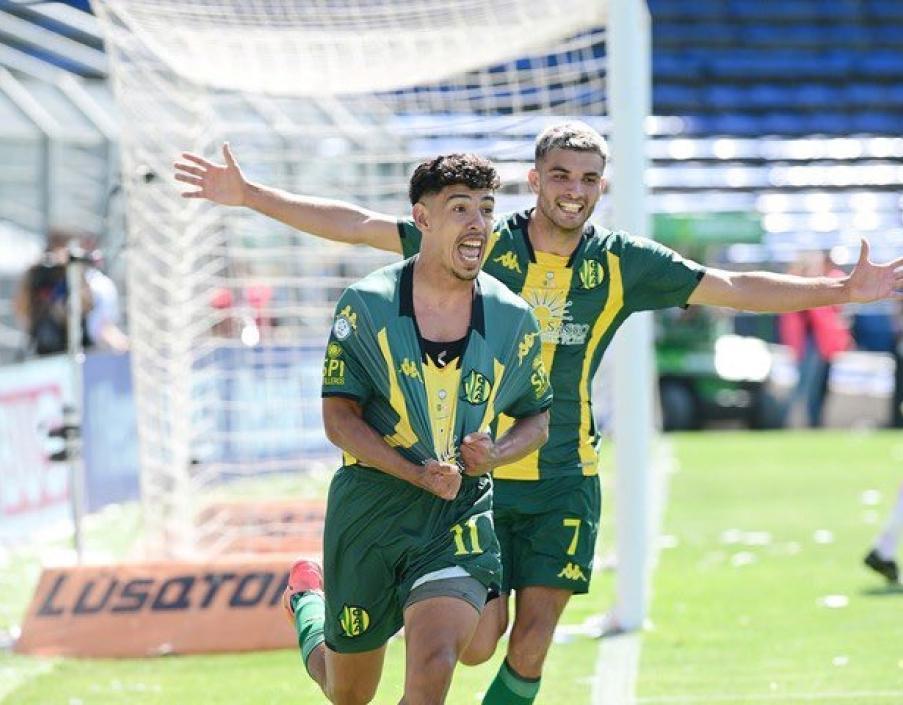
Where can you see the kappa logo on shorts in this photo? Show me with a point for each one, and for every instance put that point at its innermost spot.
(354, 620)
(572, 572)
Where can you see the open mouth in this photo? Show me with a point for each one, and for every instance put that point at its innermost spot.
(471, 250)
(570, 207)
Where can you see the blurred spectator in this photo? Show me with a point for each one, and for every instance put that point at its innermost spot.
(816, 336)
(881, 558)
(248, 319)
(41, 301)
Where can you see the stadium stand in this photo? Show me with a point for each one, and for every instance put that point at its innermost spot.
(788, 110)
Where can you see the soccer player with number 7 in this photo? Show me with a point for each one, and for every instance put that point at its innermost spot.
(582, 283)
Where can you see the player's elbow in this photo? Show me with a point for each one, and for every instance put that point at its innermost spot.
(542, 428)
(339, 416)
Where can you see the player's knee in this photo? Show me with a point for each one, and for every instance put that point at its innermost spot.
(478, 651)
(527, 650)
(351, 693)
(432, 670)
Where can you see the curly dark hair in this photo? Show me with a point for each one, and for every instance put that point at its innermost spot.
(469, 170)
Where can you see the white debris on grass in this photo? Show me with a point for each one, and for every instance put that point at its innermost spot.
(833, 601)
(870, 498)
(823, 536)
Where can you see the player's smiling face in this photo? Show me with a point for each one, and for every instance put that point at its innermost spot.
(568, 185)
(457, 222)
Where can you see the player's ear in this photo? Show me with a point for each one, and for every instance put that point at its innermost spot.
(533, 180)
(421, 216)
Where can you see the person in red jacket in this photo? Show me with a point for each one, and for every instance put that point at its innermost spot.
(816, 336)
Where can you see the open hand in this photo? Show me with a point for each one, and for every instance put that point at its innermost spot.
(478, 454)
(223, 184)
(872, 282)
(442, 479)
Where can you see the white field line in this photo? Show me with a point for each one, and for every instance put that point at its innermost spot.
(861, 697)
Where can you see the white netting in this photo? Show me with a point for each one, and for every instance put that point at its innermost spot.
(229, 311)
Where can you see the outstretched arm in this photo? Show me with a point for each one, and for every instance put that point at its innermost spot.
(347, 429)
(480, 455)
(334, 220)
(777, 293)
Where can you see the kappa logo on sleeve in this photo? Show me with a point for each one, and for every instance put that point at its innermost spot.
(540, 378)
(524, 347)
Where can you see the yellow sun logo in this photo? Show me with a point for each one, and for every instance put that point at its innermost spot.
(551, 309)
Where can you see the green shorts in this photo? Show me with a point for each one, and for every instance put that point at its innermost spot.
(547, 530)
(383, 536)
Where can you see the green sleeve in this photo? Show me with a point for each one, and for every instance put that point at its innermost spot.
(410, 237)
(656, 276)
(345, 365)
(532, 392)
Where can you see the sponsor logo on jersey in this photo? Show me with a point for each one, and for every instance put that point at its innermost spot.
(509, 261)
(539, 379)
(333, 350)
(475, 389)
(409, 369)
(333, 371)
(572, 571)
(354, 620)
(553, 311)
(524, 347)
(591, 274)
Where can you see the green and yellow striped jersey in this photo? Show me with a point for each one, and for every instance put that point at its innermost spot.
(375, 355)
(580, 302)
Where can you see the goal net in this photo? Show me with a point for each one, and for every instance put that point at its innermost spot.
(229, 311)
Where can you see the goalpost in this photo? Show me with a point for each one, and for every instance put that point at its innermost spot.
(339, 98)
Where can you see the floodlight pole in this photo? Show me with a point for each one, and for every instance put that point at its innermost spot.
(629, 100)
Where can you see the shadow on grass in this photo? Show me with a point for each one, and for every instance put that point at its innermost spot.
(883, 591)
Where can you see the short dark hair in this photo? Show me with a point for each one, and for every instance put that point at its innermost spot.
(576, 136)
(433, 175)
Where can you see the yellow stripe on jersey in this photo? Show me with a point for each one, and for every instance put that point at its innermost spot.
(404, 435)
(615, 302)
(442, 396)
(498, 371)
(546, 289)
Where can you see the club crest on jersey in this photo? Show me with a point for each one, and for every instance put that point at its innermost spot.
(591, 274)
(509, 261)
(354, 620)
(475, 388)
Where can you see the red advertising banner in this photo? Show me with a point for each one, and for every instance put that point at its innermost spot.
(157, 608)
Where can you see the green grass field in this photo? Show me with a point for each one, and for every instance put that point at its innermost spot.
(759, 529)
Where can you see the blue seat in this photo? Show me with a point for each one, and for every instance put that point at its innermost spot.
(783, 123)
(865, 94)
(728, 98)
(739, 124)
(881, 63)
(878, 123)
(885, 9)
(765, 96)
(676, 66)
(894, 97)
(829, 123)
(674, 98)
(817, 95)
